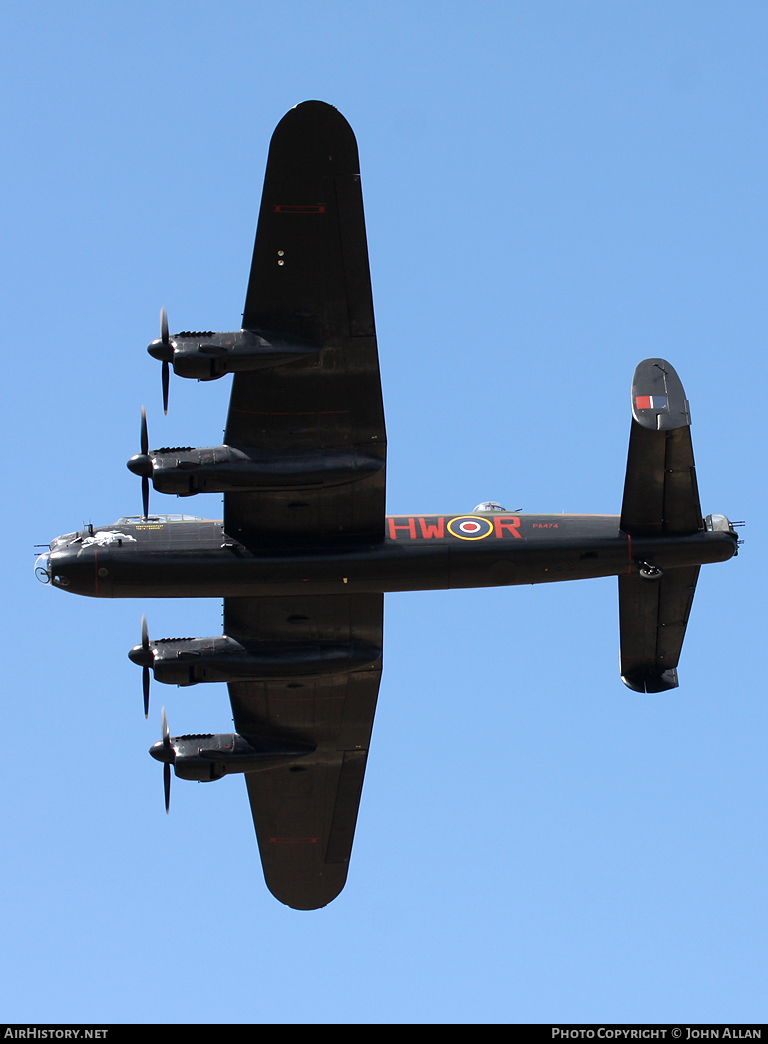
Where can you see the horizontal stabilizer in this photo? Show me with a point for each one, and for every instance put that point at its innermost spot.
(660, 491)
(652, 619)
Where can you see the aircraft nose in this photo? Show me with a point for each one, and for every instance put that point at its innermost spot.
(81, 571)
(61, 566)
(43, 568)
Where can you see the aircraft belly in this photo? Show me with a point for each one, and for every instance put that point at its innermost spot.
(676, 552)
(232, 575)
(531, 565)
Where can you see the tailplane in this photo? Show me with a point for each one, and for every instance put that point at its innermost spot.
(661, 498)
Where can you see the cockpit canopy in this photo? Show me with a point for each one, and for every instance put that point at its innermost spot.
(489, 505)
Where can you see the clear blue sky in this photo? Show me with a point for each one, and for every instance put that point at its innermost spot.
(554, 191)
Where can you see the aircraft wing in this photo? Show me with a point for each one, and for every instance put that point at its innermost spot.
(320, 419)
(310, 279)
(305, 811)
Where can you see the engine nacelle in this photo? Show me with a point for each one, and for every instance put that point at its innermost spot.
(184, 471)
(188, 661)
(209, 756)
(206, 356)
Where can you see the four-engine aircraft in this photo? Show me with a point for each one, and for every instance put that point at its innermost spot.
(305, 552)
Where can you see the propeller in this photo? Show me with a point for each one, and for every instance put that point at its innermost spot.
(145, 670)
(162, 349)
(164, 752)
(165, 337)
(141, 464)
(144, 657)
(167, 765)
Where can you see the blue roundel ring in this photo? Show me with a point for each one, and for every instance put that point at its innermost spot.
(470, 527)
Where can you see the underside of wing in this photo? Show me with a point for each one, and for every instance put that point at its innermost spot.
(309, 275)
(305, 808)
(321, 413)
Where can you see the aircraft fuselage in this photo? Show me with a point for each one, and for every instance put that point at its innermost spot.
(156, 558)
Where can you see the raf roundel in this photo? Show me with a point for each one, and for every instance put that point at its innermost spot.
(470, 527)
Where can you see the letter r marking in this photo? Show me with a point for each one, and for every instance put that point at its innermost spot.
(510, 522)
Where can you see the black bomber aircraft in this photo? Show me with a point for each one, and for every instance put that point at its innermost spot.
(305, 551)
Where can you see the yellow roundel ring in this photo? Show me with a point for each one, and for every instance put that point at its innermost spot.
(470, 527)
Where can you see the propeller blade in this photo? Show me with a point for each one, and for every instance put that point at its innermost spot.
(143, 656)
(166, 383)
(167, 786)
(165, 337)
(141, 463)
(144, 433)
(165, 752)
(167, 765)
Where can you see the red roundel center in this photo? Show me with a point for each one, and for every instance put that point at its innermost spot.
(469, 526)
